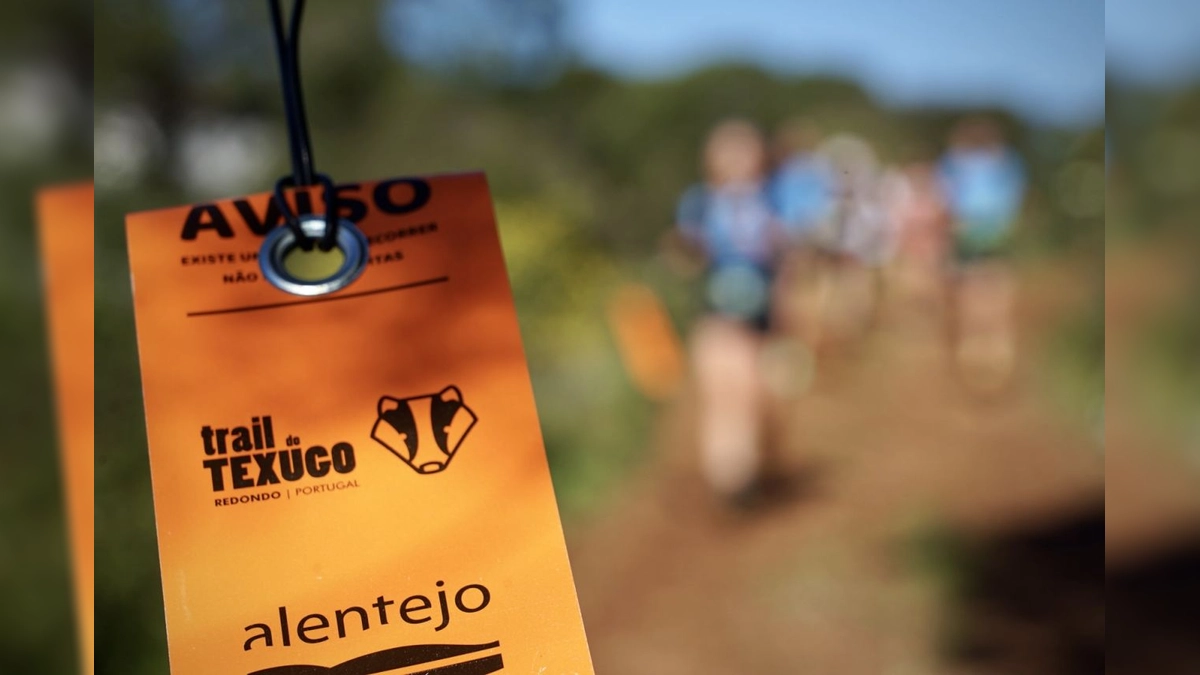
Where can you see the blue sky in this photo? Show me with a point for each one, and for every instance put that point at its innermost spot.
(1154, 41)
(1043, 58)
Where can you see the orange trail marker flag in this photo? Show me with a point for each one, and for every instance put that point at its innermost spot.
(66, 223)
(354, 482)
(649, 345)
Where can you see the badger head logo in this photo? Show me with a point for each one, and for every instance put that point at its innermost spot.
(424, 431)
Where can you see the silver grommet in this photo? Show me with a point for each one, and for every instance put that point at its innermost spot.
(281, 240)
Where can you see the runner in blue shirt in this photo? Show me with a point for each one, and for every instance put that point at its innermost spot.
(728, 220)
(984, 185)
(803, 188)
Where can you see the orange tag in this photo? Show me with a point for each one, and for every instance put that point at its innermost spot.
(351, 483)
(66, 220)
(649, 345)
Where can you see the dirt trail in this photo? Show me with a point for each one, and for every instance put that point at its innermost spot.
(885, 448)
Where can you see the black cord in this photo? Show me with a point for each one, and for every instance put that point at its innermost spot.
(300, 116)
(287, 49)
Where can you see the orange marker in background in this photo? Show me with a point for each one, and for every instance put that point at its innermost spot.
(647, 341)
(66, 223)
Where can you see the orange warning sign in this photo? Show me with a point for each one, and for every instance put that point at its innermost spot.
(66, 220)
(350, 483)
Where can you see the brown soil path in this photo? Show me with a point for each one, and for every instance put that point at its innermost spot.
(886, 446)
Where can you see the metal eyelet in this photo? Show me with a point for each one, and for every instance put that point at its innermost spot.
(281, 240)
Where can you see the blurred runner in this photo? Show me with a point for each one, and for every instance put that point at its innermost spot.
(802, 187)
(917, 209)
(801, 192)
(729, 222)
(984, 182)
(854, 242)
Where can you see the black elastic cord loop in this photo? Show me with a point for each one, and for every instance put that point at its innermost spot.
(290, 220)
(299, 114)
(329, 239)
(287, 48)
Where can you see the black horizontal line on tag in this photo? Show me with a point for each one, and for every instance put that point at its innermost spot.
(310, 301)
